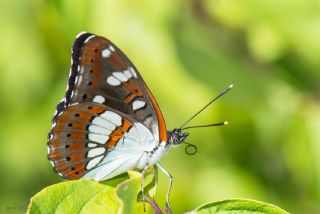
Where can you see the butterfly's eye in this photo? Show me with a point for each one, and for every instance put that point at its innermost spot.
(175, 139)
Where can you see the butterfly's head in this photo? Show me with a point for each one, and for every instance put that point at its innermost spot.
(176, 136)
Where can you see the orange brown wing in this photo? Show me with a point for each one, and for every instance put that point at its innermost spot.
(83, 135)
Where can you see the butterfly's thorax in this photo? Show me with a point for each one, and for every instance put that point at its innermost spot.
(154, 156)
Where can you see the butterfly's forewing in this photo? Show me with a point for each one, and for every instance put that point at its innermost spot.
(103, 73)
(104, 79)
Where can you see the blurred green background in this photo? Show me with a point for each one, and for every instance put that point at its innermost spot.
(187, 52)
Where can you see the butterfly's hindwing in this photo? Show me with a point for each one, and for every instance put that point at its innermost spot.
(82, 135)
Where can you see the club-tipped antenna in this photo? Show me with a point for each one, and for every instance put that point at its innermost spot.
(207, 125)
(214, 99)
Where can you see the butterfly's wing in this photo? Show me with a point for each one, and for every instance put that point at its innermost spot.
(106, 103)
(102, 73)
(90, 135)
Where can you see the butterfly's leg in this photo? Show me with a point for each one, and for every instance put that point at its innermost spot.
(155, 172)
(170, 184)
(142, 186)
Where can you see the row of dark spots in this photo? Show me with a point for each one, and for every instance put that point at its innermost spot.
(67, 146)
(76, 115)
(84, 96)
(70, 125)
(95, 50)
(72, 168)
(92, 60)
(69, 135)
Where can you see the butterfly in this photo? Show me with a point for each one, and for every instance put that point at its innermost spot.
(108, 121)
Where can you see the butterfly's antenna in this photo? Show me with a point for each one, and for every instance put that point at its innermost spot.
(208, 125)
(214, 99)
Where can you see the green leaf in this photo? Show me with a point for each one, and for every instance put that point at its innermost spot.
(117, 195)
(75, 196)
(235, 206)
(128, 192)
